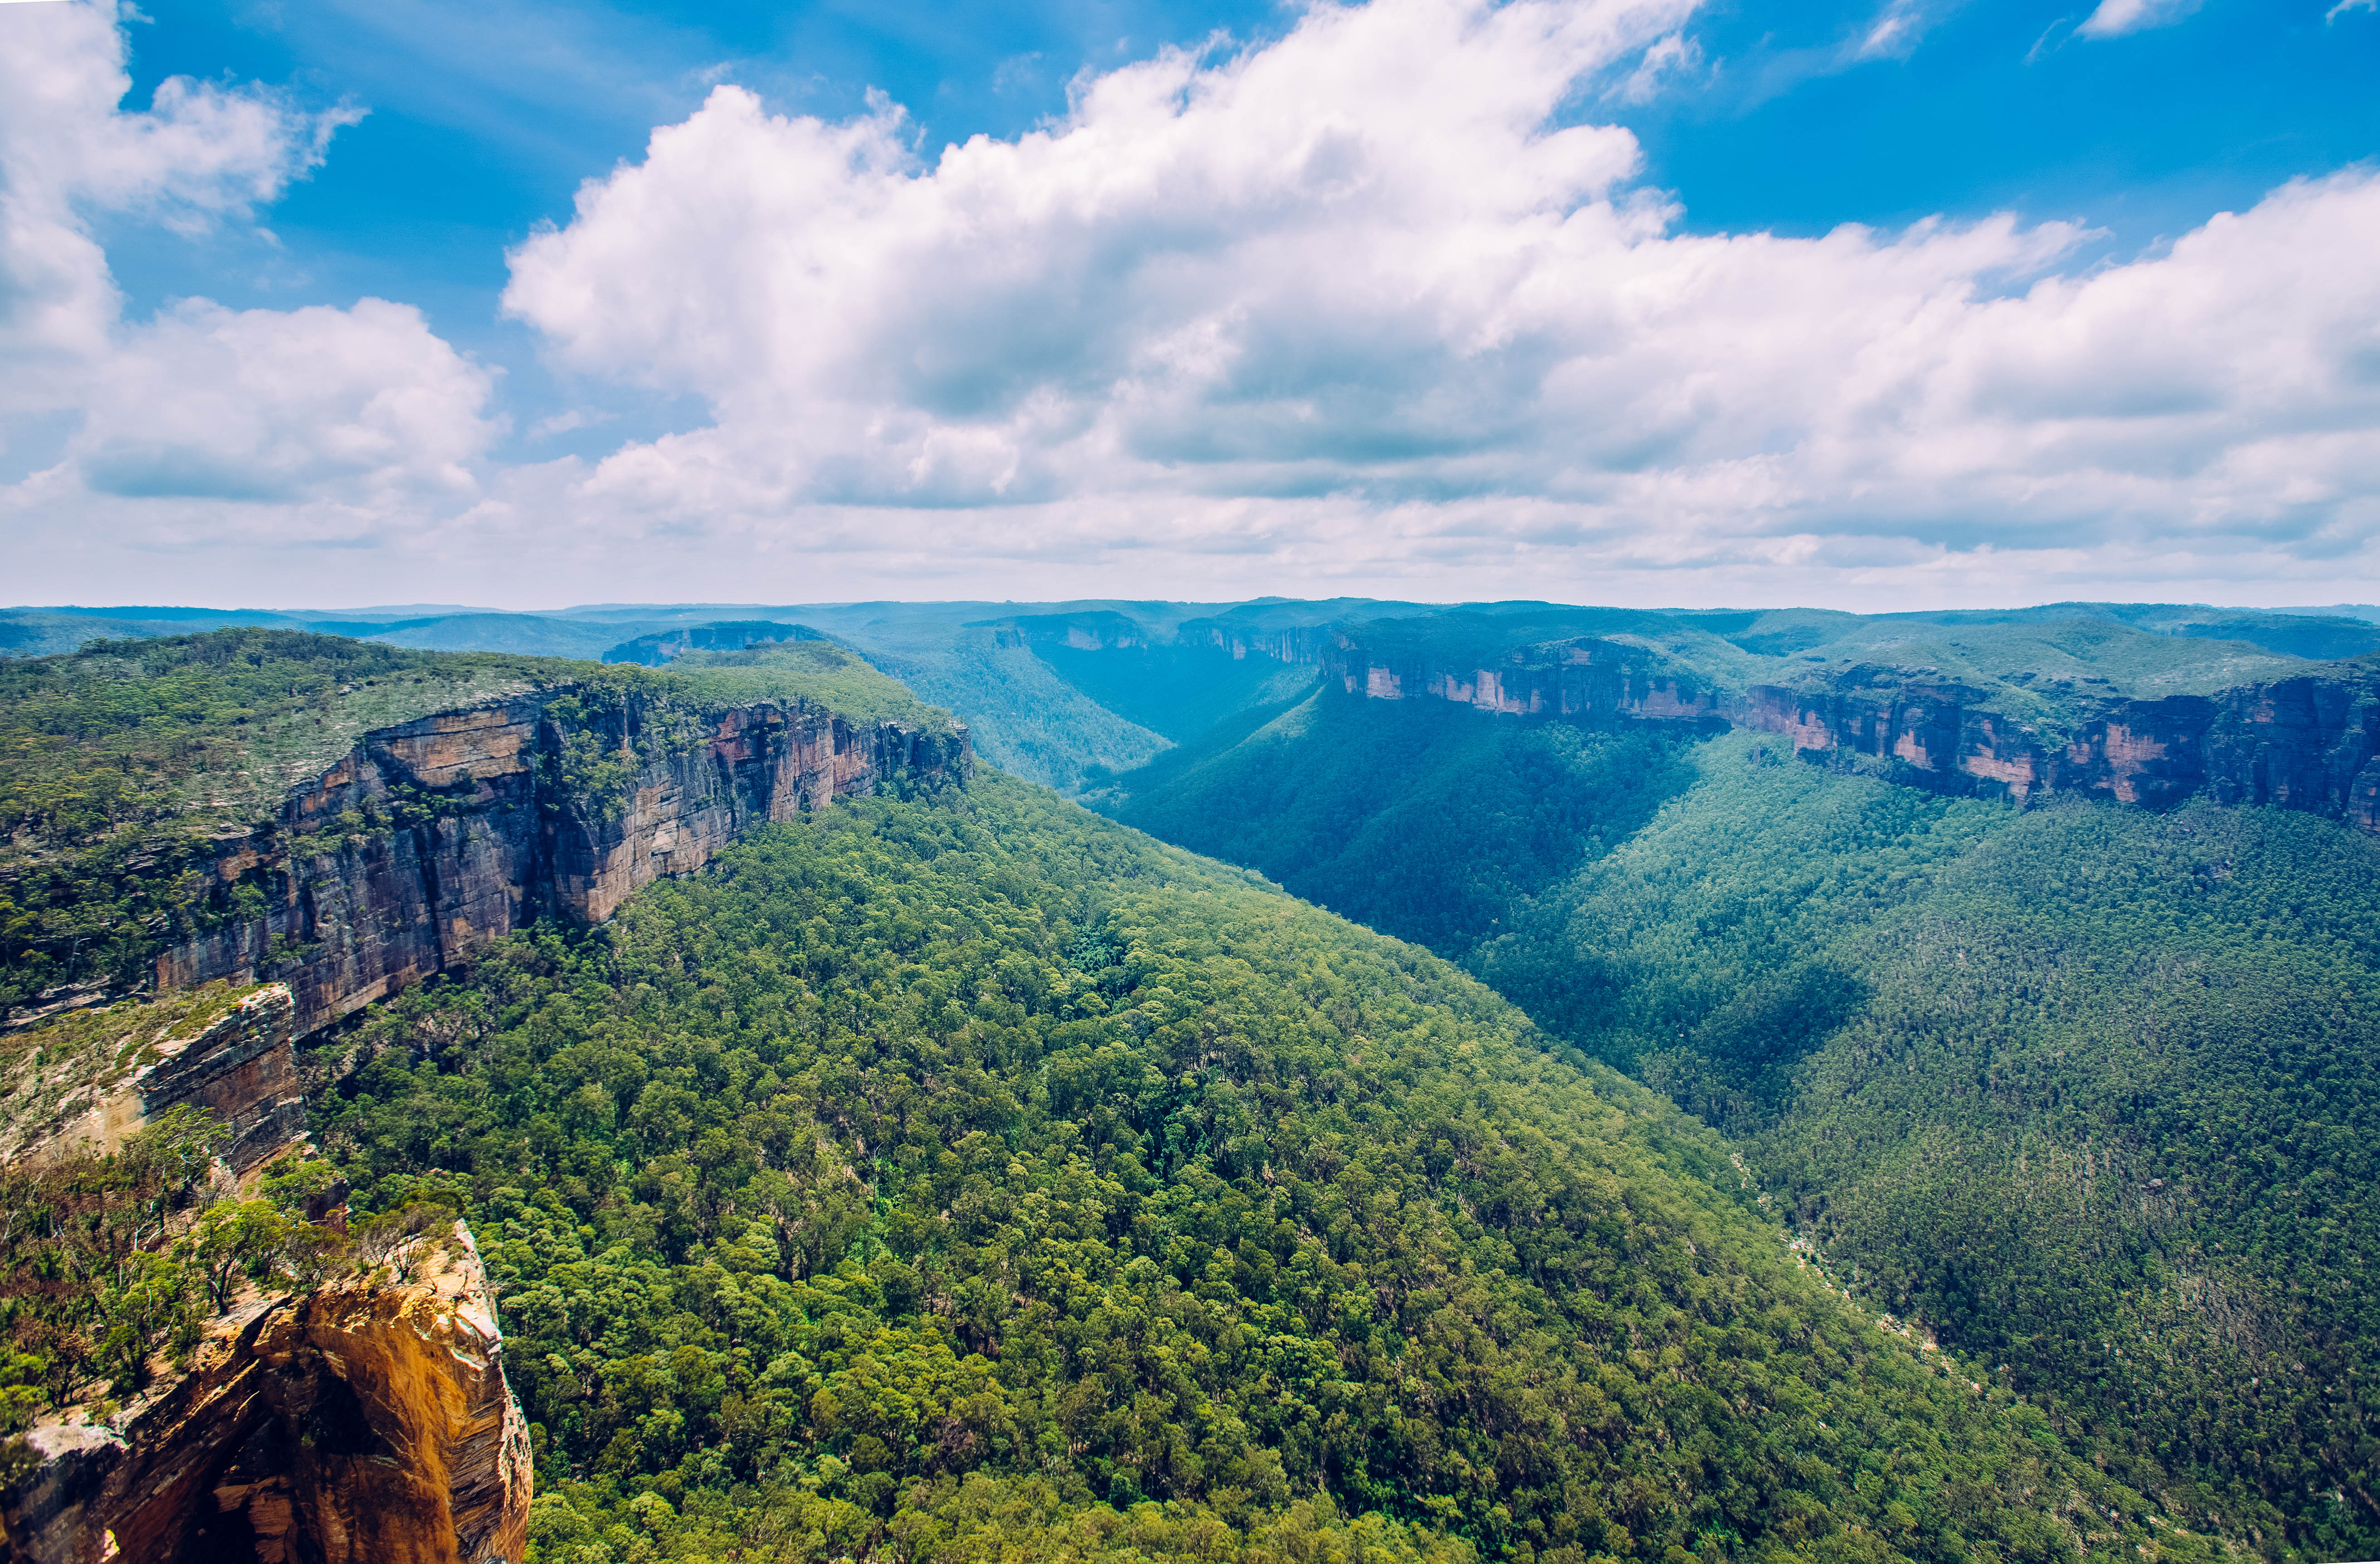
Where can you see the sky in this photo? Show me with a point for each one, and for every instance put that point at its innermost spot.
(1881, 303)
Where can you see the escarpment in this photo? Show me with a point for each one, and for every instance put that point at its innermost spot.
(429, 839)
(365, 1422)
(94, 1080)
(2309, 743)
(1589, 677)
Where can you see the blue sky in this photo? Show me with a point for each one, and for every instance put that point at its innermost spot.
(2121, 126)
(484, 118)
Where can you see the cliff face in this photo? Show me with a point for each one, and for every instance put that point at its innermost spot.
(2309, 742)
(1587, 678)
(1092, 630)
(98, 1079)
(429, 839)
(1297, 644)
(366, 1422)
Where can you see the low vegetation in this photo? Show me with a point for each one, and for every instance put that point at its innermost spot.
(110, 1266)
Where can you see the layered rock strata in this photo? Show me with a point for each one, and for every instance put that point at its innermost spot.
(1587, 678)
(368, 1422)
(2309, 743)
(1294, 644)
(238, 1066)
(1095, 630)
(431, 839)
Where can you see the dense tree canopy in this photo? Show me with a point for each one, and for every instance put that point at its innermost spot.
(937, 1162)
(2089, 1091)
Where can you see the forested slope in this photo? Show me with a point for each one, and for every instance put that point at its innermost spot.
(2089, 1090)
(1420, 818)
(126, 768)
(970, 1177)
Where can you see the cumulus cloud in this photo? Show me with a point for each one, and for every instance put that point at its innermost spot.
(1264, 300)
(197, 154)
(362, 412)
(364, 404)
(1375, 306)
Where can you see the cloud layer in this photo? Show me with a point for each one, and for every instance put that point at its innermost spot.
(1380, 306)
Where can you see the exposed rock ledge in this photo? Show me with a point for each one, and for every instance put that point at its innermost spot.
(99, 1078)
(2308, 742)
(431, 839)
(365, 1423)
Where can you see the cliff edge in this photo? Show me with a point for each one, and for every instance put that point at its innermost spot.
(2309, 742)
(87, 1082)
(429, 839)
(367, 1421)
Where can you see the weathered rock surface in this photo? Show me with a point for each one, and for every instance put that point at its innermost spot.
(97, 1079)
(2311, 742)
(1586, 678)
(368, 1422)
(1092, 630)
(2307, 743)
(1294, 644)
(431, 839)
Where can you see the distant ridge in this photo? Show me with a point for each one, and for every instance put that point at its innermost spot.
(652, 651)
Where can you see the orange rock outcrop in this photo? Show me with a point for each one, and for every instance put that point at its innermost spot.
(368, 1422)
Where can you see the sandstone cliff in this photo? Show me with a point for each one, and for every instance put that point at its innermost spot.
(429, 839)
(87, 1082)
(1091, 630)
(2311, 742)
(368, 1422)
(1292, 644)
(1589, 677)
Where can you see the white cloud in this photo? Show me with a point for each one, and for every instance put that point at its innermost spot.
(198, 154)
(1363, 273)
(364, 406)
(2113, 18)
(360, 414)
(1668, 58)
(1895, 32)
(1358, 310)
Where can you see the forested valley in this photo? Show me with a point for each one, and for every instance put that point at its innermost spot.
(1748, 1157)
(971, 1167)
(2089, 1092)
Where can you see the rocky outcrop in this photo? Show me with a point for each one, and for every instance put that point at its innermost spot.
(98, 1079)
(2309, 743)
(1587, 678)
(368, 1422)
(431, 839)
